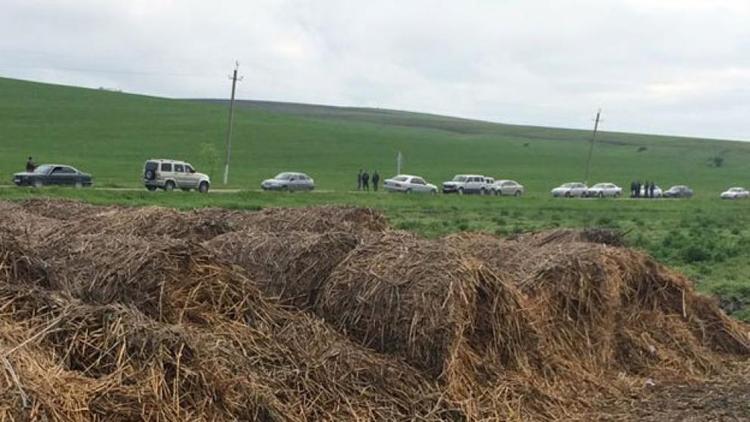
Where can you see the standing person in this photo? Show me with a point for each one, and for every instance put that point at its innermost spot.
(651, 188)
(375, 180)
(366, 181)
(359, 180)
(637, 189)
(632, 189)
(30, 166)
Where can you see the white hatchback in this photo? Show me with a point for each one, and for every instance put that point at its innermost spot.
(407, 184)
(507, 187)
(735, 193)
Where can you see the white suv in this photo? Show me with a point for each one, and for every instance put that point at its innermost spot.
(467, 183)
(171, 174)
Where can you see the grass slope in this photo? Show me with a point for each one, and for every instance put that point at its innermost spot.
(111, 134)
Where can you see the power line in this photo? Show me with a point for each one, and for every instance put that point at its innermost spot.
(234, 79)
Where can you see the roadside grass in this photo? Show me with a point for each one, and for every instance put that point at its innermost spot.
(707, 239)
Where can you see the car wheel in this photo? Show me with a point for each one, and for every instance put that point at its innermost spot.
(567, 194)
(151, 188)
(38, 183)
(482, 191)
(203, 187)
(434, 191)
(601, 194)
(169, 186)
(408, 190)
(78, 185)
(518, 193)
(460, 191)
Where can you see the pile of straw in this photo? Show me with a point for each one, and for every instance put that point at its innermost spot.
(111, 313)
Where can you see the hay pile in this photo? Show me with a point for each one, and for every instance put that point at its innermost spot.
(327, 314)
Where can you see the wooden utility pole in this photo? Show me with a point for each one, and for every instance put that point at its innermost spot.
(234, 79)
(591, 147)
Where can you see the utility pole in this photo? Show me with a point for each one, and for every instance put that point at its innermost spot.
(234, 79)
(591, 147)
(399, 160)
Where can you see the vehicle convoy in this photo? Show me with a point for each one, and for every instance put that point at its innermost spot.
(679, 191)
(570, 190)
(408, 184)
(507, 188)
(172, 174)
(604, 190)
(53, 174)
(735, 193)
(468, 183)
(289, 182)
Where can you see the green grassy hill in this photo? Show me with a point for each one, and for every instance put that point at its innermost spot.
(110, 135)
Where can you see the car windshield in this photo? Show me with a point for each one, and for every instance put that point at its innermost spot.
(601, 185)
(400, 178)
(284, 176)
(459, 179)
(736, 190)
(43, 169)
(569, 185)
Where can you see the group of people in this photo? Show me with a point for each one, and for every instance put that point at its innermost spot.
(363, 180)
(642, 190)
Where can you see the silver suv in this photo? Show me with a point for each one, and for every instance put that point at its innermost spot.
(171, 174)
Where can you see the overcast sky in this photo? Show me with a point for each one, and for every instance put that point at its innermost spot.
(653, 66)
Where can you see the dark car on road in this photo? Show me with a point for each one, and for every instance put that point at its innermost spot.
(53, 174)
(679, 191)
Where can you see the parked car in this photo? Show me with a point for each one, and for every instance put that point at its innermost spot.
(602, 190)
(570, 190)
(53, 174)
(466, 183)
(289, 181)
(679, 191)
(171, 174)
(507, 187)
(735, 193)
(407, 184)
(657, 192)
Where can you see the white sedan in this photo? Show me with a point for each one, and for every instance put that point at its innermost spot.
(408, 184)
(601, 190)
(570, 190)
(735, 193)
(507, 187)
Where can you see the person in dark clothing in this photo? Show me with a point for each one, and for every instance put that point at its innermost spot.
(637, 189)
(651, 188)
(30, 166)
(359, 180)
(375, 180)
(365, 181)
(632, 189)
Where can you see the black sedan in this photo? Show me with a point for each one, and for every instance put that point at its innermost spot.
(53, 174)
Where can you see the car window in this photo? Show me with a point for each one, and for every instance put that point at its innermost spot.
(43, 169)
(63, 170)
(283, 176)
(189, 169)
(417, 181)
(151, 165)
(459, 179)
(400, 178)
(179, 168)
(166, 166)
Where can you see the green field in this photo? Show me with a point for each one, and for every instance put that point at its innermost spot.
(111, 134)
